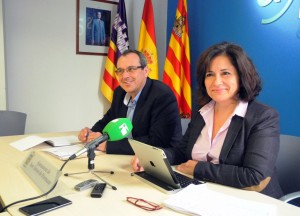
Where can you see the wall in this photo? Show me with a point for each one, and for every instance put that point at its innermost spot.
(2, 65)
(45, 78)
(273, 47)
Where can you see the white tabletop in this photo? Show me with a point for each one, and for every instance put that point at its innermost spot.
(15, 185)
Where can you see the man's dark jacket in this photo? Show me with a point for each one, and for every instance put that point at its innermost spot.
(156, 119)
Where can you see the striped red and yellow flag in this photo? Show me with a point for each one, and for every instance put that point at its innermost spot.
(177, 65)
(147, 40)
(117, 45)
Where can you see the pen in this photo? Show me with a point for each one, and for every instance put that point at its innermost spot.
(87, 135)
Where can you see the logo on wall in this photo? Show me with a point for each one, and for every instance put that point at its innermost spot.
(276, 16)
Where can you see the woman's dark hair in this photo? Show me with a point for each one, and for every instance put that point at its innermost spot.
(249, 80)
(143, 60)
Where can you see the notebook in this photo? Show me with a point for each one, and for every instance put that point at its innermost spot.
(158, 171)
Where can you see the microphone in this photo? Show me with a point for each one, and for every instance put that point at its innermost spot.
(116, 129)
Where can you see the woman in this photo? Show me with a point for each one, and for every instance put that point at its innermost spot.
(232, 139)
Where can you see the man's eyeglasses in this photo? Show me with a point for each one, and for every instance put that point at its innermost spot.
(149, 206)
(130, 69)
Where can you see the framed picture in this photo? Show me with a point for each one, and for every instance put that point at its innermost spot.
(94, 19)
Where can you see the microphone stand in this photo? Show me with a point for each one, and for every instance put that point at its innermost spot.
(91, 165)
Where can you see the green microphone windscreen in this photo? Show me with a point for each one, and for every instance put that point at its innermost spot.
(118, 129)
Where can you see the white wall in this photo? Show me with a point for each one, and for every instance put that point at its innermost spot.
(2, 65)
(58, 89)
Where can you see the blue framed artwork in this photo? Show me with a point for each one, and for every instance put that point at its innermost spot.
(93, 26)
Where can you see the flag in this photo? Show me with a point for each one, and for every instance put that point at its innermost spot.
(117, 45)
(147, 40)
(177, 64)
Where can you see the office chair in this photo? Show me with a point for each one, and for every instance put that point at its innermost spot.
(184, 124)
(12, 123)
(287, 164)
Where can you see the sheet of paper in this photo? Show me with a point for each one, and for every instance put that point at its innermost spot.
(64, 152)
(27, 142)
(200, 200)
(31, 141)
(63, 141)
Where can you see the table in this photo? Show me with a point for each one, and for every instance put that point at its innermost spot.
(15, 185)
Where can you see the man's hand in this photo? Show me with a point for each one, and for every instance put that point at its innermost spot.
(102, 147)
(135, 164)
(84, 134)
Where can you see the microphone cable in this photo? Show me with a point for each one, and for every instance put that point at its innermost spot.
(36, 197)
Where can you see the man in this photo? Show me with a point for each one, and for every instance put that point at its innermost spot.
(98, 31)
(150, 104)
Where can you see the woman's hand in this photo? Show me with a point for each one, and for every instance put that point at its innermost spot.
(187, 167)
(135, 164)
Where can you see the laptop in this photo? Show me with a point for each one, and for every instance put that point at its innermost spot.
(157, 169)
